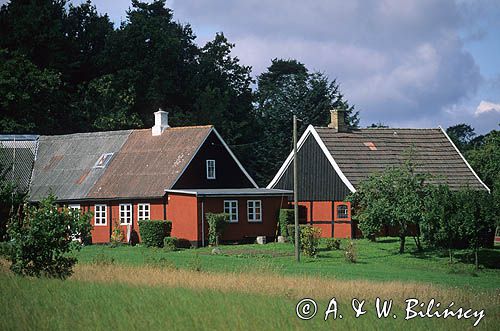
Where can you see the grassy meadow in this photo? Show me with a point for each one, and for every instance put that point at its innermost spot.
(247, 287)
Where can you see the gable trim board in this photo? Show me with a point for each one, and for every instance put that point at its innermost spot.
(235, 159)
(311, 130)
(463, 158)
(228, 150)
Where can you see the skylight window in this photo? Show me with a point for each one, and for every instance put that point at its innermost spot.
(103, 160)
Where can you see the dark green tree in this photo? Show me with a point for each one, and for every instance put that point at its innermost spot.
(29, 97)
(286, 89)
(462, 136)
(156, 57)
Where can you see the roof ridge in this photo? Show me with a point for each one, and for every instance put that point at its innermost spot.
(75, 134)
(208, 126)
(359, 129)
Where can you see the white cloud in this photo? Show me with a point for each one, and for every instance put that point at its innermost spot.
(397, 61)
(487, 107)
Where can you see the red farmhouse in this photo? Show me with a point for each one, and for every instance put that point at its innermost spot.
(333, 160)
(179, 174)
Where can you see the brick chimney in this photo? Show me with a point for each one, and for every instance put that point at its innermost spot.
(161, 122)
(337, 120)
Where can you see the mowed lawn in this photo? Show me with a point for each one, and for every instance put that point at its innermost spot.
(248, 287)
(379, 261)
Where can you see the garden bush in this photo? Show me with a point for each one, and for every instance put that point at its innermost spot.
(309, 240)
(43, 238)
(154, 231)
(285, 218)
(216, 225)
(117, 234)
(291, 231)
(332, 244)
(170, 243)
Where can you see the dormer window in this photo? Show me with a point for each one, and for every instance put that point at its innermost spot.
(210, 169)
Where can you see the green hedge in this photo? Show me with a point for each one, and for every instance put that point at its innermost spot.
(285, 218)
(153, 231)
(170, 243)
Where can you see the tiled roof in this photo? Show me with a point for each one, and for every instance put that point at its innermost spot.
(363, 152)
(65, 164)
(147, 165)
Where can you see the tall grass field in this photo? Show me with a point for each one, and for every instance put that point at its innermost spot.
(248, 287)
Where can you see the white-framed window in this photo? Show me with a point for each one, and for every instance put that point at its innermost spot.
(231, 208)
(74, 207)
(143, 211)
(254, 209)
(125, 213)
(342, 211)
(100, 214)
(210, 169)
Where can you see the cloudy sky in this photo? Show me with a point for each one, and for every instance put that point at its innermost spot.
(411, 63)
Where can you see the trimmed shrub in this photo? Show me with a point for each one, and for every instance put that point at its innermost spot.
(309, 240)
(170, 243)
(153, 231)
(285, 218)
(216, 225)
(332, 244)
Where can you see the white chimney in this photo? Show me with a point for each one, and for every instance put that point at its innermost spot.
(161, 122)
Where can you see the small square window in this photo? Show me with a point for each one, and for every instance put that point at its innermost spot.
(342, 212)
(210, 169)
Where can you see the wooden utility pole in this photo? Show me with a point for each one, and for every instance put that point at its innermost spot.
(295, 191)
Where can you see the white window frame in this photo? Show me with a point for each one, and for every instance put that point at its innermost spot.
(229, 207)
(253, 216)
(126, 212)
(74, 206)
(101, 215)
(210, 167)
(145, 209)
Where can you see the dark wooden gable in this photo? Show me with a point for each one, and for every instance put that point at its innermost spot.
(227, 172)
(318, 181)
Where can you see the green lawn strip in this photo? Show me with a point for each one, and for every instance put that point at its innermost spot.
(376, 261)
(43, 304)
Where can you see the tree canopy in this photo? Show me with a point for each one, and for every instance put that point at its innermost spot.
(65, 68)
